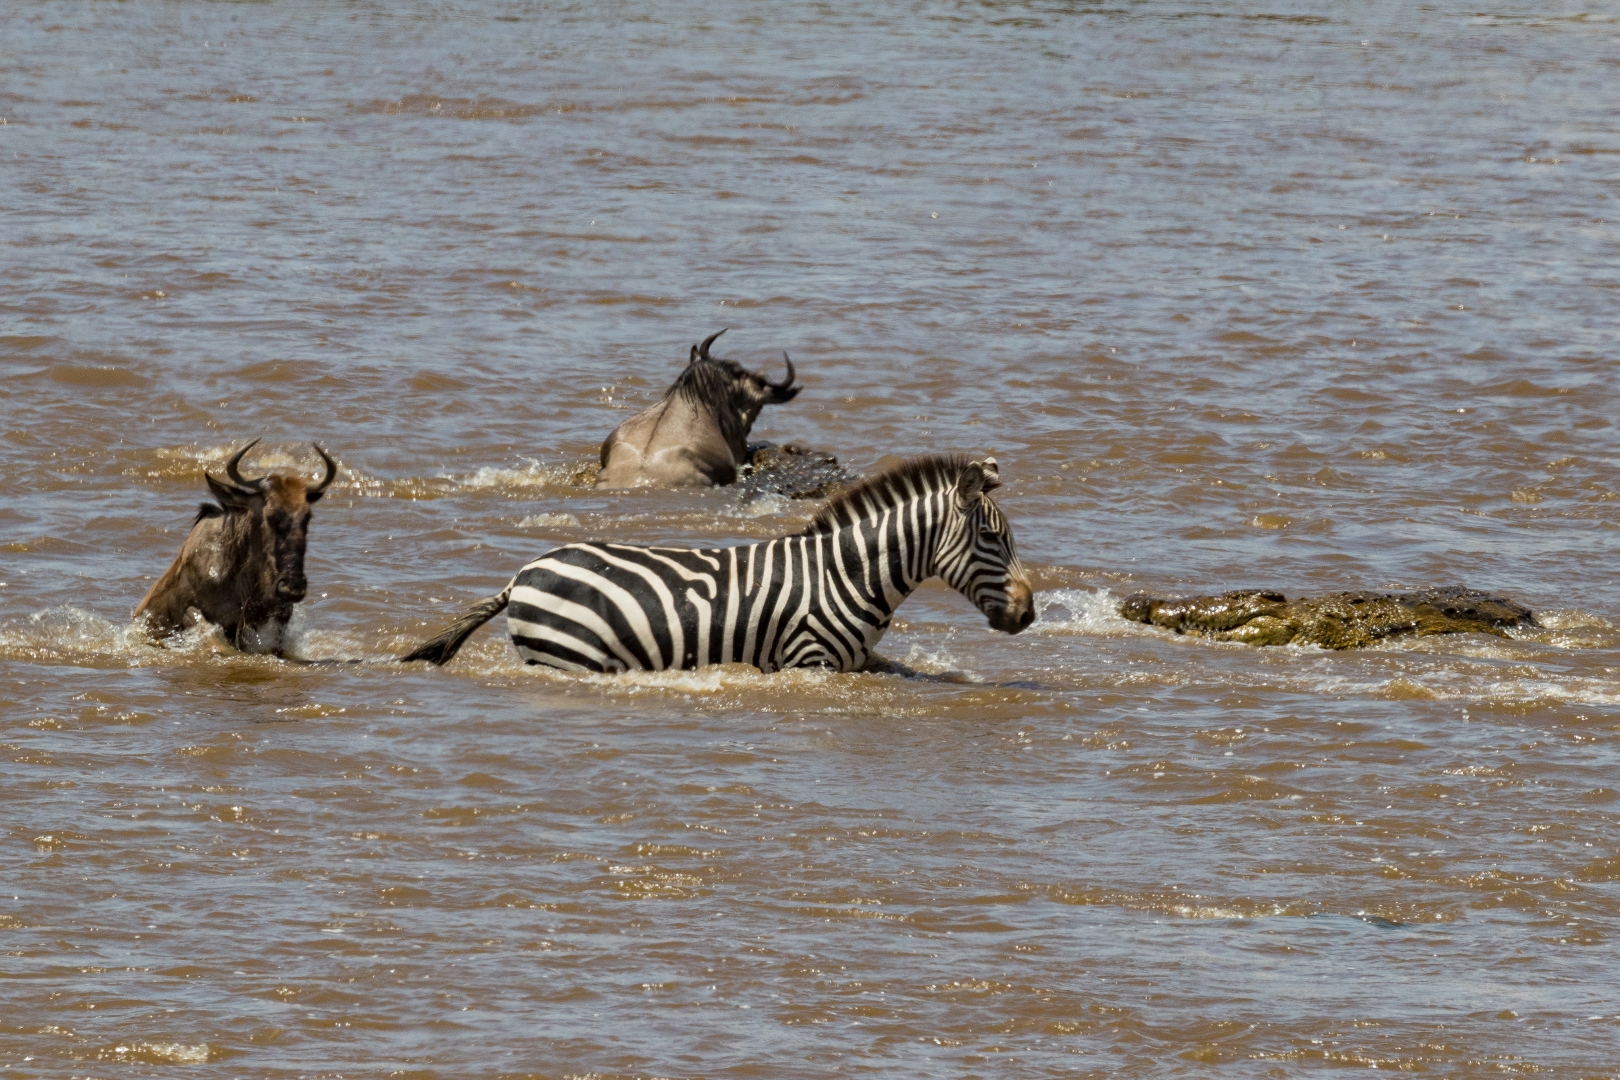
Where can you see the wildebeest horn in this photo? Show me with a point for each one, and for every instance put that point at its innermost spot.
(786, 383)
(703, 349)
(313, 493)
(232, 471)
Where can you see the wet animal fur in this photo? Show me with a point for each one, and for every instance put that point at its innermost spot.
(242, 564)
(443, 646)
(697, 434)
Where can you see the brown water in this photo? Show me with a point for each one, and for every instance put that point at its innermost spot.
(1299, 297)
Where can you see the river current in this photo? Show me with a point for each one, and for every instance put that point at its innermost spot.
(1308, 297)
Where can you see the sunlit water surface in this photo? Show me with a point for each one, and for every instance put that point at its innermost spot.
(1302, 297)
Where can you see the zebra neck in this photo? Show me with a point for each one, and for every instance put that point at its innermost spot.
(885, 555)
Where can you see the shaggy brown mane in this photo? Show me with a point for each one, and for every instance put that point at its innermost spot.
(709, 385)
(706, 382)
(886, 488)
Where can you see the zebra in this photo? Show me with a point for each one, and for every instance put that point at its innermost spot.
(822, 597)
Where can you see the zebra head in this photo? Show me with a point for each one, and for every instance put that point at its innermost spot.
(976, 556)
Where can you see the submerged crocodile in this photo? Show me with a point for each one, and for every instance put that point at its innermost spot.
(789, 470)
(793, 471)
(1347, 620)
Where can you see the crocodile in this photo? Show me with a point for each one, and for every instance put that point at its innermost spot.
(1346, 620)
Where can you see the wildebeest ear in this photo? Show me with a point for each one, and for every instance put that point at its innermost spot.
(230, 496)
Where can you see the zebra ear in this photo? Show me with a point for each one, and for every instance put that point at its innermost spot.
(992, 473)
(970, 486)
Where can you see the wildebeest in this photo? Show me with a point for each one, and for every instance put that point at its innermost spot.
(242, 565)
(697, 435)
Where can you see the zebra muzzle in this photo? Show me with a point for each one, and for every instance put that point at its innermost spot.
(1018, 612)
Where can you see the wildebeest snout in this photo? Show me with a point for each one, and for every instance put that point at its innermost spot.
(292, 587)
(290, 581)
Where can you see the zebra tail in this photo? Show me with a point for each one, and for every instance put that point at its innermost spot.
(443, 646)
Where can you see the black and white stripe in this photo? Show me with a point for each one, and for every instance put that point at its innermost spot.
(823, 597)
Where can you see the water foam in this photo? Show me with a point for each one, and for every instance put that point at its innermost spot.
(187, 461)
(549, 521)
(1571, 619)
(937, 660)
(533, 474)
(768, 505)
(1080, 611)
(1463, 682)
(73, 635)
(150, 1053)
(712, 680)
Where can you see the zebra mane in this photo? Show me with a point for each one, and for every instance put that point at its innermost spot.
(930, 472)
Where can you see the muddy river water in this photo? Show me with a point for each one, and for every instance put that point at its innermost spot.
(1302, 296)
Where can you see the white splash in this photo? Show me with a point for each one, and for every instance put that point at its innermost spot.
(68, 634)
(549, 521)
(1079, 611)
(936, 661)
(158, 1053)
(71, 633)
(767, 505)
(534, 474)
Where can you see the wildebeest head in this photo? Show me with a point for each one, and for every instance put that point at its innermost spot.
(731, 389)
(277, 510)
